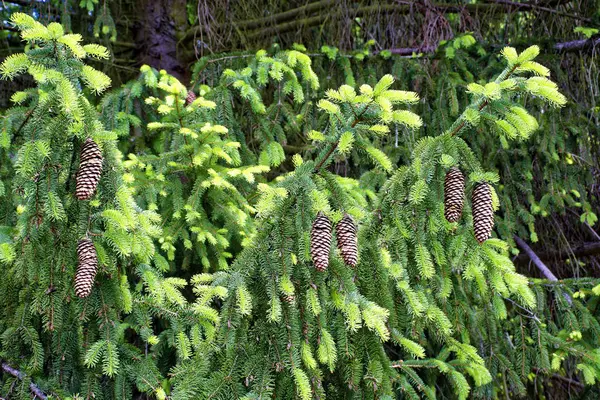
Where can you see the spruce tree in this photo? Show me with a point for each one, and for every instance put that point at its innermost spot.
(388, 298)
(328, 341)
(83, 309)
(450, 290)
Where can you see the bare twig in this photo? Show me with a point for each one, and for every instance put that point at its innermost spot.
(536, 260)
(530, 6)
(539, 264)
(560, 377)
(583, 250)
(21, 376)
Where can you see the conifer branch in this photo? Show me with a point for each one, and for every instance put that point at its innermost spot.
(357, 119)
(481, 103)
(28, 115)
(326, 156)
(21, 376)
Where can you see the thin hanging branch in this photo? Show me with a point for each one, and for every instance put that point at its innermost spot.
(21, 376)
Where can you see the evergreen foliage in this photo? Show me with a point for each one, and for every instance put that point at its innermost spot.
(334, 273)
(194, 173)
(317, 345)
(72, 345)
(542, 175)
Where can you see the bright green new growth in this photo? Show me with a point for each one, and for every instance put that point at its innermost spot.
(293, 348)
(197, 173)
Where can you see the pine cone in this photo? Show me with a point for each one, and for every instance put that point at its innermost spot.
(191, 96)
(320, 242)
(347, 241)
(86, 268)
(90, 169)
(289, 298)
(483, 211)
(454, 194)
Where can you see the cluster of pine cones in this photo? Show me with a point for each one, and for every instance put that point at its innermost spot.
(88, 176)
(320, 241)
(481, 201)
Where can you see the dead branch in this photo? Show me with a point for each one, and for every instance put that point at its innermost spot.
(539, 264)
(21, 376)
(530, 6)
(288, 20)
(583, 250)
(576, 45)
(535, 259)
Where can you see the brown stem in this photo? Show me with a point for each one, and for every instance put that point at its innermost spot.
(21, 376)
(462, 124)
(28, 115)
(326, 157)
(539, 264)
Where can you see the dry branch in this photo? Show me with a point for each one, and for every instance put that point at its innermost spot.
(537, 7)
(21, 376)
(288, 20)
(535, 259)
(539, 264)
(577, 45)
(574, 45)
(583, 250)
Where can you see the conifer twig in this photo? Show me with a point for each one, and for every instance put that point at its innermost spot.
(334, 146)
(326, 156)
(21, 376)
(28, 115)
(481, 103)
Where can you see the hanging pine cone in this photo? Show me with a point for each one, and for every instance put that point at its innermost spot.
(320, 242)
(86, 268)
(483, 211)
(289, 298)
(191, 96)
(90, 168)
(347, 241)
(454, 194)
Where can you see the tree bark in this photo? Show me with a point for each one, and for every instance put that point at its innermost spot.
(163, 21)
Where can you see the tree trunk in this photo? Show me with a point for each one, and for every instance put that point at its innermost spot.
(162, 22)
